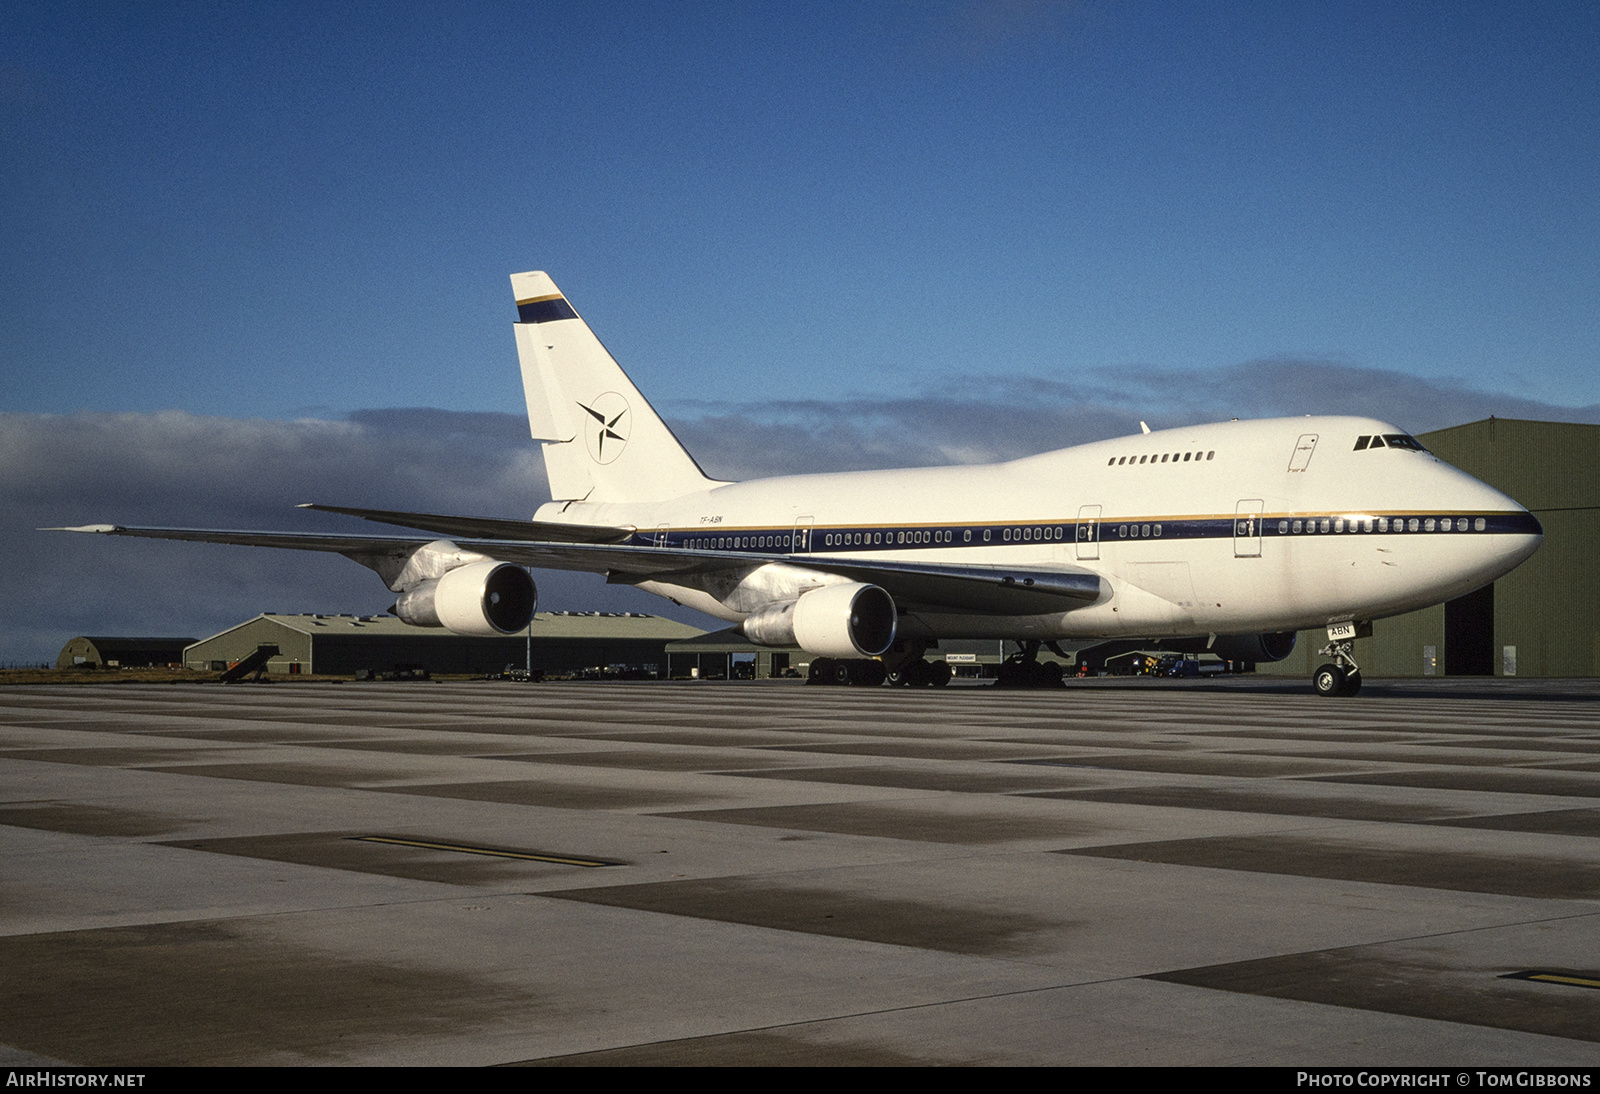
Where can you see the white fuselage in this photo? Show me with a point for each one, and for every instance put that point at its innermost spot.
(1245, 526)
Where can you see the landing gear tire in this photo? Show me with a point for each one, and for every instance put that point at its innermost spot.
(1330, 679)
(828, 671)
(840, 673)
(921, 674)
(866, 674)
(1026, 673)
(1343, 675)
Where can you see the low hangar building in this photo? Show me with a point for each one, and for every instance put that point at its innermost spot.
(342, 645)
(108, 652)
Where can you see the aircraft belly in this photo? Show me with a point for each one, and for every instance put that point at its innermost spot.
(698, 599)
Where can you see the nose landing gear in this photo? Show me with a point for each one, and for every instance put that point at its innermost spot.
(1342, 676)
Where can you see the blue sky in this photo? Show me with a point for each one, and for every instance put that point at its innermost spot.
(292, 210)
(257, 254)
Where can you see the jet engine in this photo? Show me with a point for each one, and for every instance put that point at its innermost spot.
(847, 620)
(483, 599)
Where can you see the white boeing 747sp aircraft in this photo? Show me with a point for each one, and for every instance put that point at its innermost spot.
(1227, 537)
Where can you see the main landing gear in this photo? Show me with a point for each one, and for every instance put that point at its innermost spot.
(902, 667)
(1342, 676)
(1023, 669)
(920, 674)
(905, 667)
(854, 672)
(869, 674)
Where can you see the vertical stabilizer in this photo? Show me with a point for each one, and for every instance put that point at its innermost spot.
(602, 441)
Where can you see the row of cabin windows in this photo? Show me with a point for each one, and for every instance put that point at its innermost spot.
(716, 543)
(870, 539)
(1382, 524)
(1044, 533)
(1033, 534)
(1175, 457)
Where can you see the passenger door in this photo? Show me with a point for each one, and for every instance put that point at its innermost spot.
(1247, 529)
(801, 541)
(1089, 532)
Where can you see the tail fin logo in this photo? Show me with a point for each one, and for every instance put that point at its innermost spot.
(607, 429)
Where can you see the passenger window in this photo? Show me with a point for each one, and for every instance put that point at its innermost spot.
(1325, 526)
(1479, 524)
(1210, 454)
(1428, 525)
(1414, 523)
(1297, 527)
(1283, 527)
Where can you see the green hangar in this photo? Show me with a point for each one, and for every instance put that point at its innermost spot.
(1541, 619)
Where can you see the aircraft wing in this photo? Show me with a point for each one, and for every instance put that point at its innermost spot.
(485, 527)
(999, 590)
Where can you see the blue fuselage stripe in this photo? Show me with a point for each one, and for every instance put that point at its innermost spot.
(827, 539)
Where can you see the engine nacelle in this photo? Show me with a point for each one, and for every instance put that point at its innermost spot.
(1254, 647)
(847, 620)
(482, 599)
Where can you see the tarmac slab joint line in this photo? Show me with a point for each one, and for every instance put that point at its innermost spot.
(532, 856)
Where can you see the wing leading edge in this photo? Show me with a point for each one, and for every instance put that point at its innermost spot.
(997, 590)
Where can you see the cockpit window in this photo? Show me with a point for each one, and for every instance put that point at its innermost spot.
(1388, 440)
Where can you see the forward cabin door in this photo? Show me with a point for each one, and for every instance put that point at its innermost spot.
(1247, 529)
(1089, 532)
